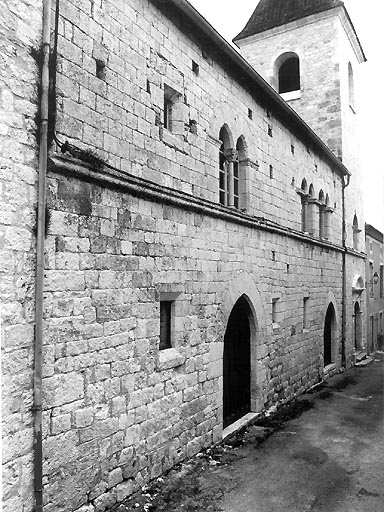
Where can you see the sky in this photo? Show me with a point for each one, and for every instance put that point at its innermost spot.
(229, 17)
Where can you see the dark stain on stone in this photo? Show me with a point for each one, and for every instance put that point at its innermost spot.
(364, 492)
(324, 394)
(346, 381)
(311, 455)
(76, 196)
(285, 413)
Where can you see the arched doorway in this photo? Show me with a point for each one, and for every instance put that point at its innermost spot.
(329, 334)
(357, 326)
(237, 364)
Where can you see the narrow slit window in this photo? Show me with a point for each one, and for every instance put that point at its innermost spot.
(274, 310)
(305, 313)
(165, 324)
(167, 113)
(100, 69)
(195, 68)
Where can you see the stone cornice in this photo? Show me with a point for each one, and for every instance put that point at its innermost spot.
(139, 187)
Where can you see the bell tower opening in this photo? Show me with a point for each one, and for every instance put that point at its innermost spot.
(288, 72)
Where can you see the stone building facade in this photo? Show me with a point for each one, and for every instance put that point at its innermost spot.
(319, 38)
(375, 288)
(186, 201)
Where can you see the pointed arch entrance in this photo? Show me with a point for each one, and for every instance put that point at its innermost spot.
(237, 363)
(329, 335)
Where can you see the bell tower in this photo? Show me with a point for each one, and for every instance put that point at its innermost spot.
(309, 52)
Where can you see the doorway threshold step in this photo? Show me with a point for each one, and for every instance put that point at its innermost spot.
(359, 356)
(242, 422)
(365, 362)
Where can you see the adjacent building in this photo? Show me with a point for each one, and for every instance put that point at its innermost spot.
(195, 234)
(375, 287)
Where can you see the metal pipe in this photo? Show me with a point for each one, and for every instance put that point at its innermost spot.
(344, 277)
(38, 349)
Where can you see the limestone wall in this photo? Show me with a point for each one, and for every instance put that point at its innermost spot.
(20, 30)
(118, 411)
(117, 116)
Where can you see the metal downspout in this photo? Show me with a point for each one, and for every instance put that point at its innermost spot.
(43, 153)
(344, 270)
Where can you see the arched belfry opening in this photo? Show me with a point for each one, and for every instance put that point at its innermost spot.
(237, 363)
(329, 335)
(287, 72)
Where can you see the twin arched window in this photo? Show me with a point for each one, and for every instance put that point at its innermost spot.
(315, 211)
(231, 163)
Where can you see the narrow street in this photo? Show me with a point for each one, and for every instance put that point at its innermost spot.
(324, 452)
(329, 459)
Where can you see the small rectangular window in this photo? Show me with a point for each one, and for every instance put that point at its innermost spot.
(195, 68)
(100, 69)
(274, 310)
(292, 149)
(270, 133)
(165, 324)
(250, 114)
(271, 171)
(167, 113)
(305, 313)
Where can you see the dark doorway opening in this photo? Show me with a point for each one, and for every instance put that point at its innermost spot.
(357, 325)
(328, 334)
(237, 364)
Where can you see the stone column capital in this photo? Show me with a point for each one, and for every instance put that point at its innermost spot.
(231, 155)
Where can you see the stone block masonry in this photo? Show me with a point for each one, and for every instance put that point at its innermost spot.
(145, 228)
(20, 32)
(119, 412)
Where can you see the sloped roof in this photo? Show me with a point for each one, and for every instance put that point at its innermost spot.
(273, 13)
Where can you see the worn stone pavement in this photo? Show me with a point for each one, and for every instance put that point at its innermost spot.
(322, 453)
(330, 459)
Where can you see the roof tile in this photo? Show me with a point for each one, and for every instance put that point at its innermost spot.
(273, 13)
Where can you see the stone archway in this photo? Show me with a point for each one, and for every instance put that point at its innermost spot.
(329, 337)
(237, 363)
(243, 287)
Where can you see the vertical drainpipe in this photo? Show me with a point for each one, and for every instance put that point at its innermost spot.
(344, 270)
(38, 352)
